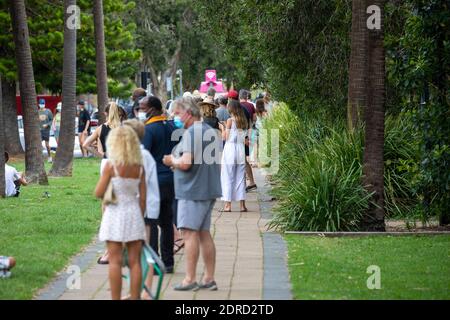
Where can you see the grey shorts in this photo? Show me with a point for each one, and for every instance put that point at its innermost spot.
(195, 214)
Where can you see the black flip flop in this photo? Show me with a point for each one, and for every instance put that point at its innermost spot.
(100, 261)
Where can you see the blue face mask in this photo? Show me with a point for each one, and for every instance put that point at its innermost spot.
(177, 122)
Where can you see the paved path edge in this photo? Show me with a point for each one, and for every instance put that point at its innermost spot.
(276, 281)
(84, 260)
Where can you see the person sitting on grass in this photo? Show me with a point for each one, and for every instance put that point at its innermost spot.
(13, 179)
(6, 264)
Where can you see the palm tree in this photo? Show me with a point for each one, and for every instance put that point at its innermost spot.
(34, 164)
(373, 165)
(2, 147)
(100, 52)
(64, 155)
(12, 139)
(357, 84)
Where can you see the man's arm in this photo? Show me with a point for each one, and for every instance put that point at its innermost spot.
(184, 163)
(23, 181)
(49, 121)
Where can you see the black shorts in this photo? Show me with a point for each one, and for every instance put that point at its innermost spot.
(45, 135)
(148, 221)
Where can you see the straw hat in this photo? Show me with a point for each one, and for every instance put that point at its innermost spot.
(207, 101)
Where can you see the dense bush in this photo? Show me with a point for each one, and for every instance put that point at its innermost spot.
(319, 179)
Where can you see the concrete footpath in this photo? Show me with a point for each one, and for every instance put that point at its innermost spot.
(242, 257)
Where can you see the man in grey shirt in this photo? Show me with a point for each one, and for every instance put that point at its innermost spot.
(196, 165)
(222, 111)
(45, 123)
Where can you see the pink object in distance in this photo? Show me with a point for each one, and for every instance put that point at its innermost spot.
(211, 80)
(210, 75)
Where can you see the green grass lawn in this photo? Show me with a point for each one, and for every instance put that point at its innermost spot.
(412, 267)
(43, 233)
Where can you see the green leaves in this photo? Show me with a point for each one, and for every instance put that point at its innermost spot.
(45, 19)
(319, 181)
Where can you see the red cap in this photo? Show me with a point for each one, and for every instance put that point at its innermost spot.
(233, 94)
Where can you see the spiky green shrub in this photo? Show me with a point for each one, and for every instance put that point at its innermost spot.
(319, 180)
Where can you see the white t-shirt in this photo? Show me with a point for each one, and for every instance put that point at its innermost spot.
(151, 179)
(11, 175)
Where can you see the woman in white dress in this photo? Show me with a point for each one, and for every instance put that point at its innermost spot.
(123, 221)
(233, 158)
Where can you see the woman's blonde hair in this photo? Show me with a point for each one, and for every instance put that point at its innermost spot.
(123, 146)
(113, 115)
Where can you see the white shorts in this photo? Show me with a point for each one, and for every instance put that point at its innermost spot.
(4, 263)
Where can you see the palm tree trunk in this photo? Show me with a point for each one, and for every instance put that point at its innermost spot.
(2, 146)
(357, 84)
(373, 167)
(12, 138)
(100, 50)
(64, 155)
(34, 164)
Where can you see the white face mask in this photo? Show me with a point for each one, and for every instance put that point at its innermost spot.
(142, 116)
(42, 106)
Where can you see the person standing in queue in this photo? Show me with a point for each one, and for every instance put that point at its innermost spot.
(158, 141)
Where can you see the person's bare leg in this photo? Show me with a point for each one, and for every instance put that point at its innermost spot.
(47, 145)
(134, 262)
(249, 173)
(176, 234)
(227, 206)
(148, 283)
(178, 242)
(115, 268)
(209, 255)
(191, 249)
(81, 141)
(243, 207)
(149, 278)
(104, 257)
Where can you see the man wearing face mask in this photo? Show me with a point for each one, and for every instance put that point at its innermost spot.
(158, 141)
(45, 122)
(138, 94)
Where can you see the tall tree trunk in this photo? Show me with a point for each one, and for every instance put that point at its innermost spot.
(357, 83)
(373, 167)
(64, 154)
(159, 84)
(100, 52)
(12, 138)
(34, 164)
(2, 146)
